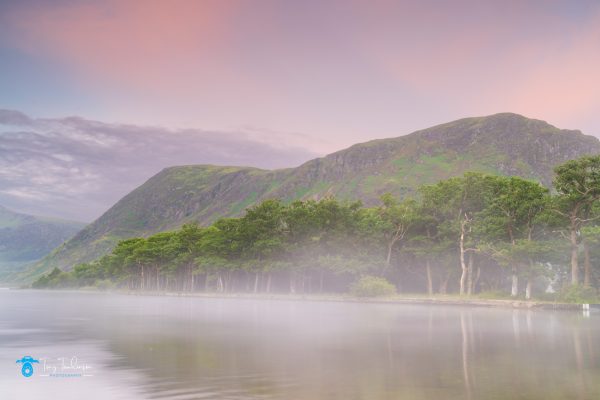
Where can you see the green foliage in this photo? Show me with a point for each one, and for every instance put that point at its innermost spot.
(579, 294)
(372, 286)
(204, 193)
(243, 204)
(476, 233)
(578, 185)
(579, 180)
(493, 295)
(104, 284)
(56, 279)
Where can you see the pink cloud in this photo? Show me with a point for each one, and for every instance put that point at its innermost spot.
(564, 82)
(346, 70)
(505, 57)
(142, 43)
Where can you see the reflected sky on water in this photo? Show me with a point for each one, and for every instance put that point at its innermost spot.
(143, 347)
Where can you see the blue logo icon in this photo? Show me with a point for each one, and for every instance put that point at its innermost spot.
(27, 369)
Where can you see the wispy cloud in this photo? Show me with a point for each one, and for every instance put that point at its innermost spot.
(76, 168)
(344, 70)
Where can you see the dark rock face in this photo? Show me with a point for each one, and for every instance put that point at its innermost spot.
(507, 144)
(521, 141)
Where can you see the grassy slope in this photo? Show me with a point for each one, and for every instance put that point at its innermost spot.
(500, 144)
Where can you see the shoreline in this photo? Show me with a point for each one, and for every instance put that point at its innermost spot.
(400, 300)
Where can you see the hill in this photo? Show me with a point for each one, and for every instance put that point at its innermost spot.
(26, 238)
(507, 144)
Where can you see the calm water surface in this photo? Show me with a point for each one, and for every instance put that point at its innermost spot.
(195, 348)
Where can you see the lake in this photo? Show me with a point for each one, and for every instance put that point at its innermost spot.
(144, 347)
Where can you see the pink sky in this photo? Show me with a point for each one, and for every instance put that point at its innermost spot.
(318, 74)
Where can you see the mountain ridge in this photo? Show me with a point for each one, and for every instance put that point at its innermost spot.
(505, 143)
(26, 238)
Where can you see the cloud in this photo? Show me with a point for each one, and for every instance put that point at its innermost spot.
(532, 58)
(15, 118)
(348, 70)
(564, 82)
(128, 41)
(76, 168)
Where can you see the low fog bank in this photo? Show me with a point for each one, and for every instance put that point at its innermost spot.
(477, 234)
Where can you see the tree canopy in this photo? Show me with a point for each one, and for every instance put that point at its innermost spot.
(469, 234)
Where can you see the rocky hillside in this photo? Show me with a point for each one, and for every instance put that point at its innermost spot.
(506, 144)
(25, 238)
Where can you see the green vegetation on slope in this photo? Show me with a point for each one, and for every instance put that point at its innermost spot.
(471, 234)
(502, 144)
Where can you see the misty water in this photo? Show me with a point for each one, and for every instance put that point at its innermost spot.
(201, 348)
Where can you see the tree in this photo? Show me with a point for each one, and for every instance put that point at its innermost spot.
(578, 185)
(184, 248)
(455, 204)
(262, 234)
(510, 217)
(157, 254)
(397, 217)
(123, 257)
(494, 228)
(590, 237)
(221, 248)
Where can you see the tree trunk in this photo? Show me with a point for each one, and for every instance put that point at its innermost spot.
(388, 259)
(220, 286)
(514, 291)
(429, 278)
(444, 285)
(587, 265)
(528, 289)
(269, 283)
(321, 281)
(470, 275)
(292, 283)
(463, 265)
(477, 276)
(229, 282)
(574, 256)
(256, 282)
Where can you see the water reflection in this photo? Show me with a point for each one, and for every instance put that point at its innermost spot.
(465, 332)
(189, 348)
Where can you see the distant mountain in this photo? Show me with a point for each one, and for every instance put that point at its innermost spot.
(506, 144)
(25, 239)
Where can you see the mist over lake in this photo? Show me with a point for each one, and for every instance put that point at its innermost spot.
(299, 200)
(159, 347)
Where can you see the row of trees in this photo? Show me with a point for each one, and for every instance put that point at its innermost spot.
(466, 234)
